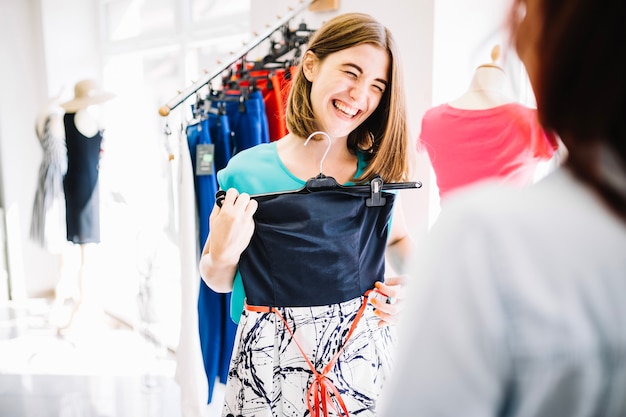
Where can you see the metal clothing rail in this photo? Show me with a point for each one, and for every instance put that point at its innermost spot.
(188, 91)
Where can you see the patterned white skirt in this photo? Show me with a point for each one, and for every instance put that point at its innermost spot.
(270, 377)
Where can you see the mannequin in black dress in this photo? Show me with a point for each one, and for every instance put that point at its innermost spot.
(83, 137)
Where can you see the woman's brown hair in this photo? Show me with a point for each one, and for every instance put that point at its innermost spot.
(580, 88)
(384, 135)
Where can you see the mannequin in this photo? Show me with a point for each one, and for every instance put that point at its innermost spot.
(488, 87)
(83, 135)
(484, 134)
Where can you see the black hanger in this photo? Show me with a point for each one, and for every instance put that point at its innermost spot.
(291, 40)
(322, 182)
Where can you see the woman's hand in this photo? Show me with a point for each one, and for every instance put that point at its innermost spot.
(231, 228)
(388, 306)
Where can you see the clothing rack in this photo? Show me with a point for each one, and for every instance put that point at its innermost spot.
(209, 76)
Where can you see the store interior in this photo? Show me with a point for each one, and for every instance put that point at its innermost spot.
(132, 347)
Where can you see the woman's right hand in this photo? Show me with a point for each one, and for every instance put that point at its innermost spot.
(231, 228)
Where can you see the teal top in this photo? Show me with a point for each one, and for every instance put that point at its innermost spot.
(259, 170)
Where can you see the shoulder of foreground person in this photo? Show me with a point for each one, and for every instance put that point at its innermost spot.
(510, 274)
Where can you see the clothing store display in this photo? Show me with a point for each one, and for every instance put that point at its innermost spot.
(47, 226)
(538, 324)
(465, 146)
(80, 184)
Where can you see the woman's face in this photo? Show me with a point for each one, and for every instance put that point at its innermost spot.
(347, 86)
(529, 26)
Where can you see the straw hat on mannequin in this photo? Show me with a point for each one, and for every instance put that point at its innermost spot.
(87, 94)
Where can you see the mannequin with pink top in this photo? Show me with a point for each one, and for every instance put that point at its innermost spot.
(484, 134)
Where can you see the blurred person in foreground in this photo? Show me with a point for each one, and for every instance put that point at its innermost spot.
(517, 301)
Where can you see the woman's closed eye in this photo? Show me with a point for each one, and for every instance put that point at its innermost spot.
(379, 88)
(354, 72)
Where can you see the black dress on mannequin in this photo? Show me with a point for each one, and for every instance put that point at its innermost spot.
(81, 184)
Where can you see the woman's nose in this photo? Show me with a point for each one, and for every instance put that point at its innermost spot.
(357, 92)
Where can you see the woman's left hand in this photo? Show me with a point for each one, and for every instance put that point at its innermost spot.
(388, 306)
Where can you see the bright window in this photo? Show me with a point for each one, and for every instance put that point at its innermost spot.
(151, 50)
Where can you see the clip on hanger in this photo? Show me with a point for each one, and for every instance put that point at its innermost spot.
(376, 199)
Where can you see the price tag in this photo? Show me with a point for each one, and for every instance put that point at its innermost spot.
(204, 159)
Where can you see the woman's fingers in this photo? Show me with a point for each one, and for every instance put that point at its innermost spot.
(388, 299)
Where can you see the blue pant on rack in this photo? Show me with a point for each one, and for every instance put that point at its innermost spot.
(217, 330)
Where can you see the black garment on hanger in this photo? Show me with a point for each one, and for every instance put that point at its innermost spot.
(323, 244)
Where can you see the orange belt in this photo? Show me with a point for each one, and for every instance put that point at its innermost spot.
(322, 388)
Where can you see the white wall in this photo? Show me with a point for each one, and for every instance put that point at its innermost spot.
(71, 47)
(465, 33)
(22, 83)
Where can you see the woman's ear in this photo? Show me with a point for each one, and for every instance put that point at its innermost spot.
(309, 62)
